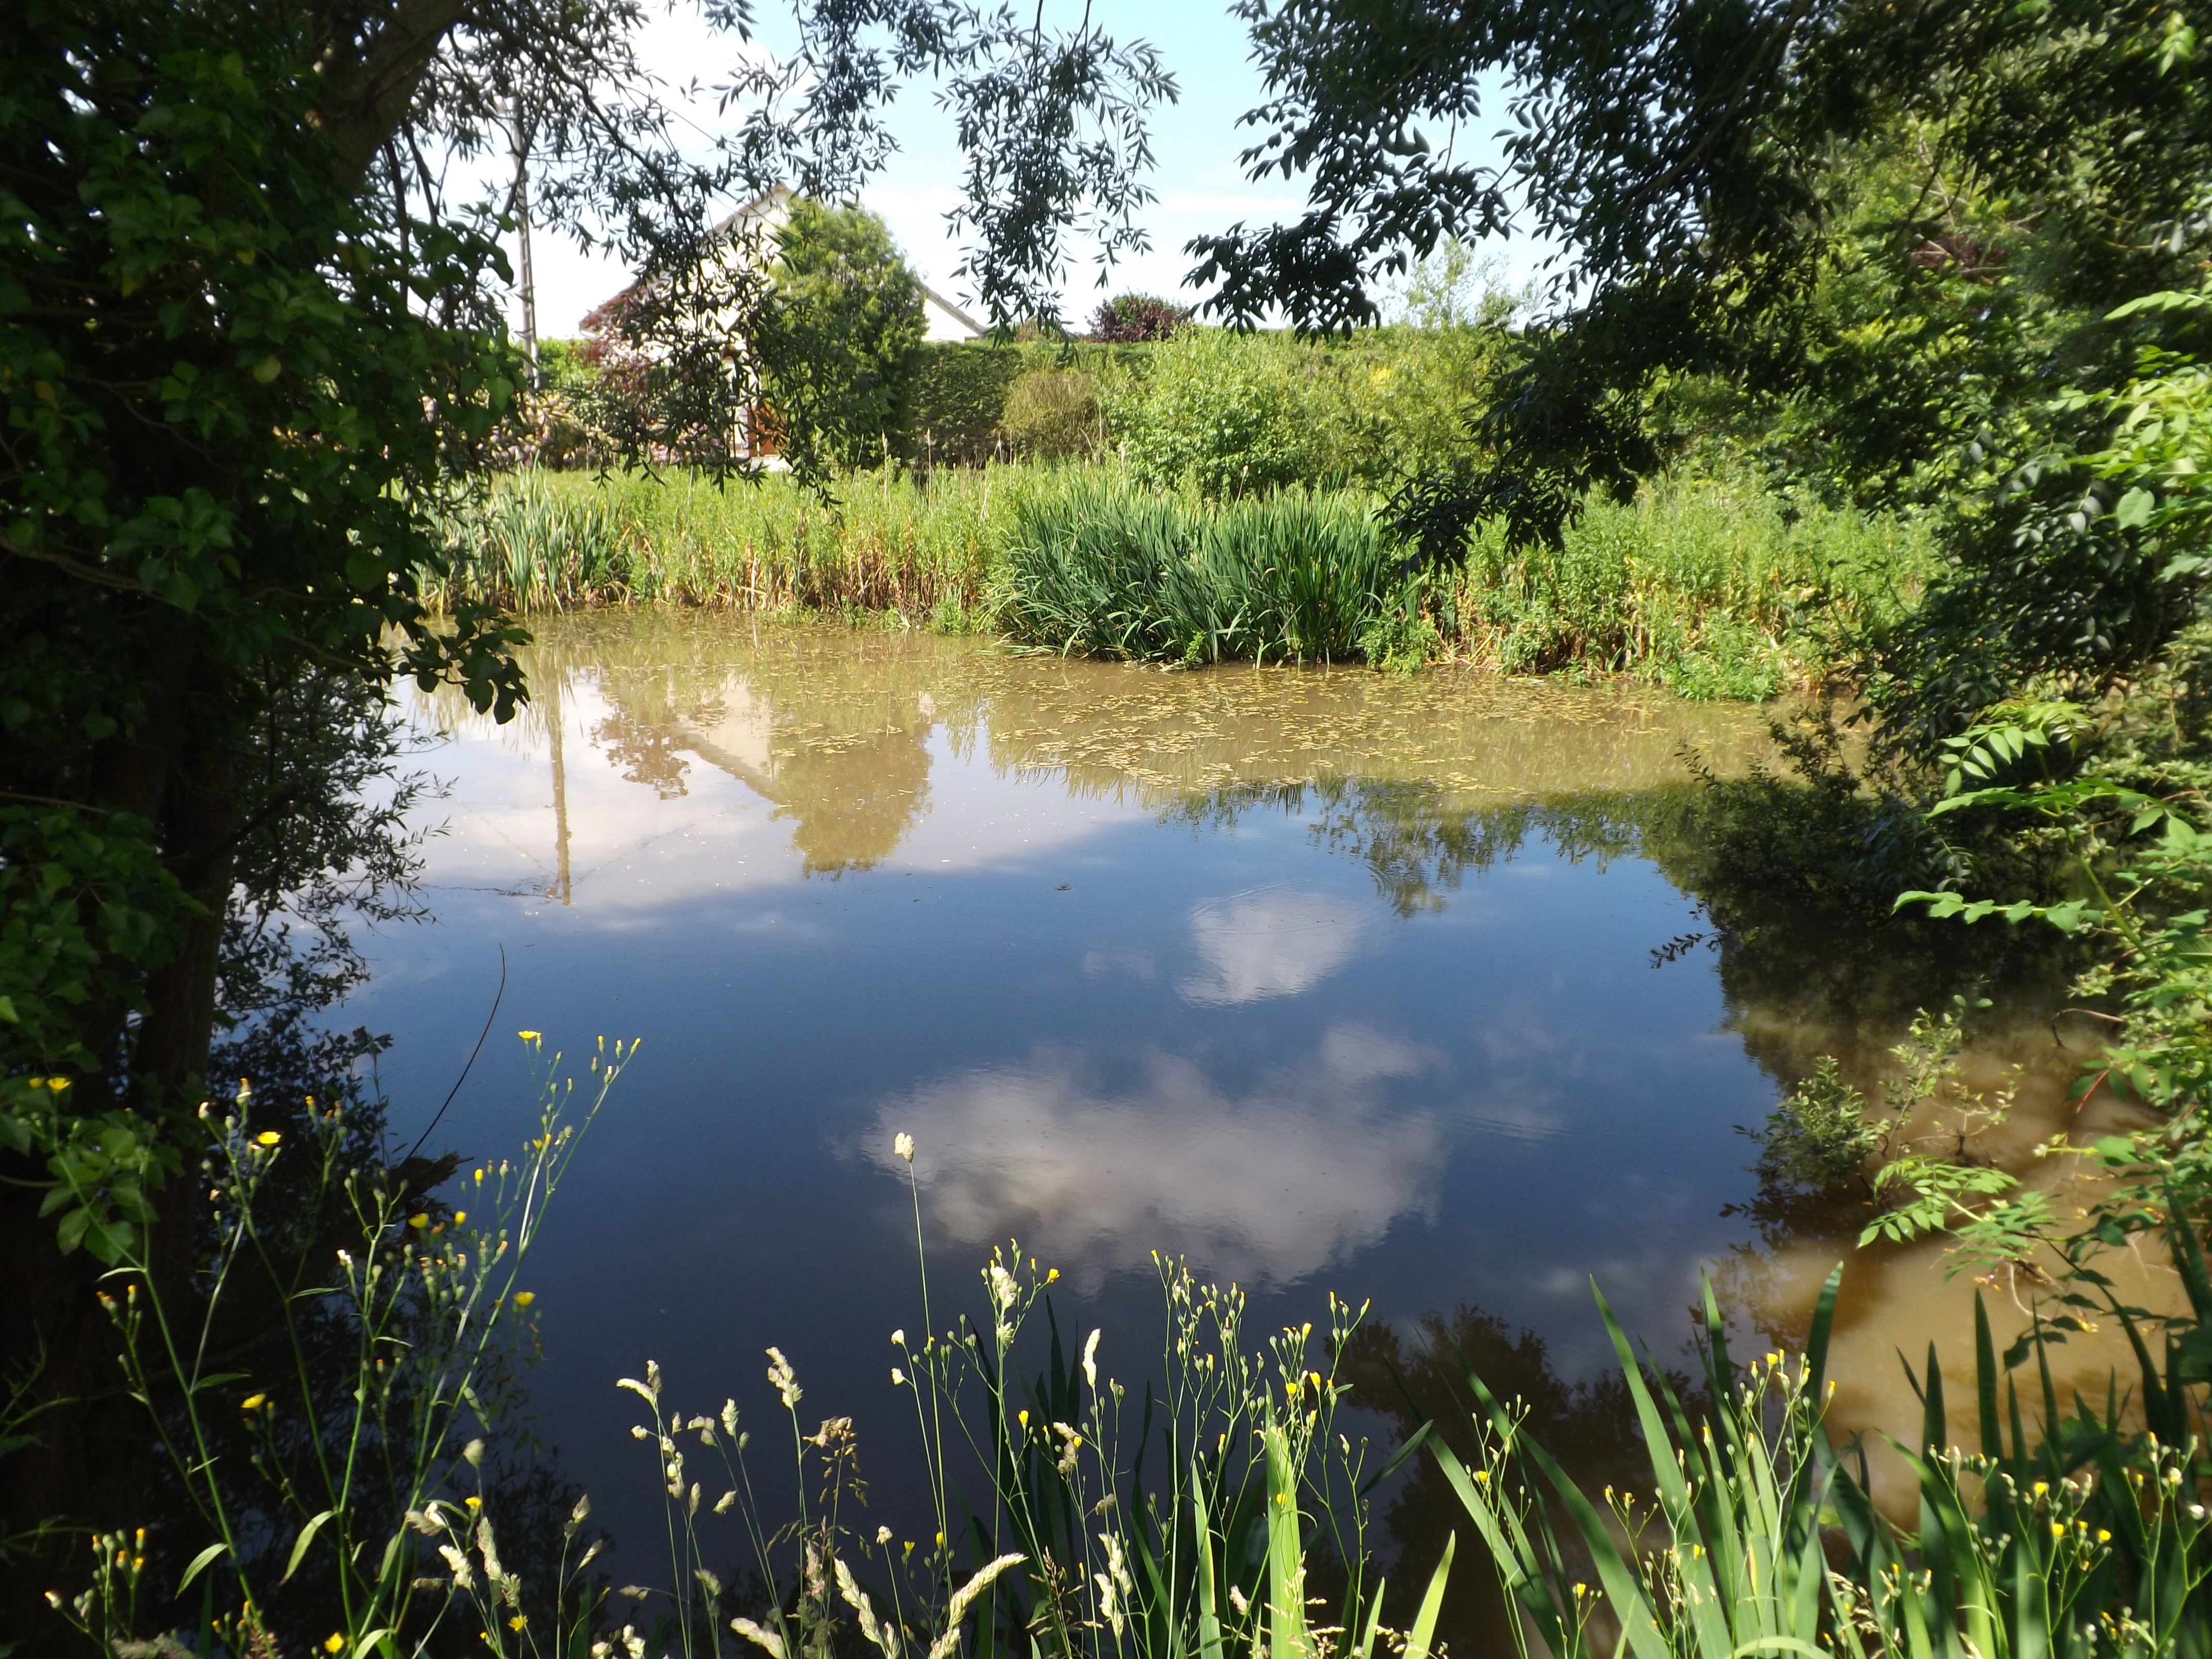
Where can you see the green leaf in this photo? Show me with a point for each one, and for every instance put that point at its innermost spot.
(70, 1233)
(198, 1564)
(1419, 1638)
(300, 1546)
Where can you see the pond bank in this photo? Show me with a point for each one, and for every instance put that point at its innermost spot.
(1701, 588)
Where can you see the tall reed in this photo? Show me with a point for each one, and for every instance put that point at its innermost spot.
(1708, 589)
(882, 545)
(1109, 570)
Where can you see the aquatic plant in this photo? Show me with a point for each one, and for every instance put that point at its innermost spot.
(1708, 591)
(531, 545)
(1703, 588)
(1107, 570)
(1759, 1536)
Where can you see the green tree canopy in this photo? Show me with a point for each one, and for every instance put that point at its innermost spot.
(839, 338)
(1889, 233)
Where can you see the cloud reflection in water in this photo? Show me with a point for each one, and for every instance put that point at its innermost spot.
(1273, 943)
(1263, 1188)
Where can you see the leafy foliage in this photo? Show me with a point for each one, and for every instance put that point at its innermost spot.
(836, 339)
(1052, 414)
(1111, 572)
(1127, 318)
(1220, 413)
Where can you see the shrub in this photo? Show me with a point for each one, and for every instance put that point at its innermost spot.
(1224, 414)
(838, 337)
(1128, 318)
(960, 393)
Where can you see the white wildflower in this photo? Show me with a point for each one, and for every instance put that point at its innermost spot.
(473, 1454)
(1090, 1361)
(1003, 1290)
(898, 1377)
(903, 1146)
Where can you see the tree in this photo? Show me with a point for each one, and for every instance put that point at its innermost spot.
(249, 359)
(1892, 228)
(839, 338)
(1130, 317)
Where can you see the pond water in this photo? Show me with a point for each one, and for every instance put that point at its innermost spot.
(1322, 979)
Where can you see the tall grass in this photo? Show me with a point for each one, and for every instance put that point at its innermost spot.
(1109, 570)
(1227, 1520)
(1708, 589)
(884, 544)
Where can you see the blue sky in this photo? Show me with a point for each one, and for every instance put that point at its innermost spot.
(1199, 183)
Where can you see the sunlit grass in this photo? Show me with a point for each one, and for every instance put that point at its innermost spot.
(1709, 590)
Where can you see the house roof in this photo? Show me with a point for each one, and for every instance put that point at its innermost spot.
(772, 205)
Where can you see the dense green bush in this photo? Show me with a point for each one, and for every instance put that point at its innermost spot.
(960, 392)
(1107, 570)
(1221, 413)
(839, 338)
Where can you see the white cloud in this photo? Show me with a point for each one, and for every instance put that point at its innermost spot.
(1263, 1188)
(1271, 942)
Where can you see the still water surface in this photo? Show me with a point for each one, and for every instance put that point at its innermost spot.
(1323, 979)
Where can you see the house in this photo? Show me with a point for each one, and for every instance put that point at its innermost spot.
(750, 232)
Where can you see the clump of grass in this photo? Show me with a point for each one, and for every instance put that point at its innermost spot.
(883, 545)
(1107, 570)
(1707, 590)
(534, 545)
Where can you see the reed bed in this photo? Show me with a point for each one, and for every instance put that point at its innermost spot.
(923, 551)
(1107, 569)
(1708, 589)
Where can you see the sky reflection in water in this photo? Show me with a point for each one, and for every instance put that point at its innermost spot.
(1325, 979)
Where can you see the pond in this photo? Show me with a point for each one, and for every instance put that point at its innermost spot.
(1322, 979)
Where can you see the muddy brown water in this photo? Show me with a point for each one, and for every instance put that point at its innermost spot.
(1322, 979)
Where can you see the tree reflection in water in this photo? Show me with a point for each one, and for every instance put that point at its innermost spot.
(1408, 1376)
